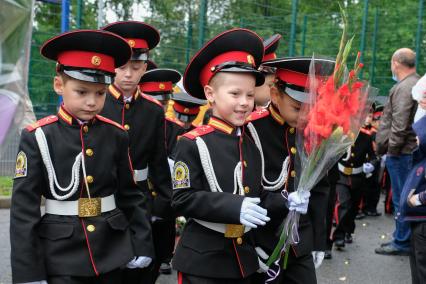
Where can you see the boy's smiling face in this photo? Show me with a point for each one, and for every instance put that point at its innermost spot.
(82, 99)
(231, 96)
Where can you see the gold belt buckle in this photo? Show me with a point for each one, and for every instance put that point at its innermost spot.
(347, 171)
(234, 231)
(89, 207)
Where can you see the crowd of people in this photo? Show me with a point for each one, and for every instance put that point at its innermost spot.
(135, 146)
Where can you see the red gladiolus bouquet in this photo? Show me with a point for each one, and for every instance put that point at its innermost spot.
(328, 125)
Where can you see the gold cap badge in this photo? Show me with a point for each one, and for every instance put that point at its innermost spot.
(96, 60)
(250, 59)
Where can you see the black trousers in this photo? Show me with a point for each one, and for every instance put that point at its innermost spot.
(192, 279)
(372, 192)
(330, 215)
(163, 234)
(138, 275)
(418, 253)
(113, 277)
(299, 270)
(349, 191)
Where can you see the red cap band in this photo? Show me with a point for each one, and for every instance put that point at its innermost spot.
(137, 43)
(269, 56)
(86, 59)
(186, 110)
(156, 86)
(377, 114)
(238, 56)
(292, 77)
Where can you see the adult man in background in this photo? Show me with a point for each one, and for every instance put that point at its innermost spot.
(397, 140)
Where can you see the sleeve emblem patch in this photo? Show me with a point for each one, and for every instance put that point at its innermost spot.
(181, 176)
(21, 165)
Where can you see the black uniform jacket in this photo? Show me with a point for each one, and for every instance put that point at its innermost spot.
(202, 251)
(69, 245)
(278, 141)
(174, 129)
(143, 118)
(362, 151)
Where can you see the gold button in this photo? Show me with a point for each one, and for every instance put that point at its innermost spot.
(239, 241)
(352, 155)
(293, 150)
(352, 164)
(154, 194)
(127, 106)
(293, 173)
(89, 152)
(292, 130)
(91, 228)
(86, 129)
(245, 164)
(126, 126)
(246, 189)
(89, 179)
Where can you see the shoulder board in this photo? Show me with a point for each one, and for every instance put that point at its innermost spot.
(199, 131)
(42, 122)
(257, 114)
(365, 131)
(151, 99)
(107, 120)
(175, 121)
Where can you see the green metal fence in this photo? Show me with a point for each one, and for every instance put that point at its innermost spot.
(308, 27)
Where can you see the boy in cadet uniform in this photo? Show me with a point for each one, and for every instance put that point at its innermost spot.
(158, 83)
(355, 167)
(273, 130)
(143, 118)
(217, 170)
(371, 194)
(262, 94)
(95, 219)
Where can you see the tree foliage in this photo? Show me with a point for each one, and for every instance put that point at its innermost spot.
(184, 25)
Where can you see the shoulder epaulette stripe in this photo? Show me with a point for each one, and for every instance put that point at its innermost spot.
(257, 115)
(199, 131)
(42, 122)
(365, 131)
(176, 121)
(151, 99)
(107, 120)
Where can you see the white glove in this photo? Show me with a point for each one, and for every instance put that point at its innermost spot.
(318, 257)
(367, 168)
(139, 262)
(299, 201)
(262, 257)
(252, 214)
(36, 282)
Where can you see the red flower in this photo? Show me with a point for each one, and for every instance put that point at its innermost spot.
(332, 109)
